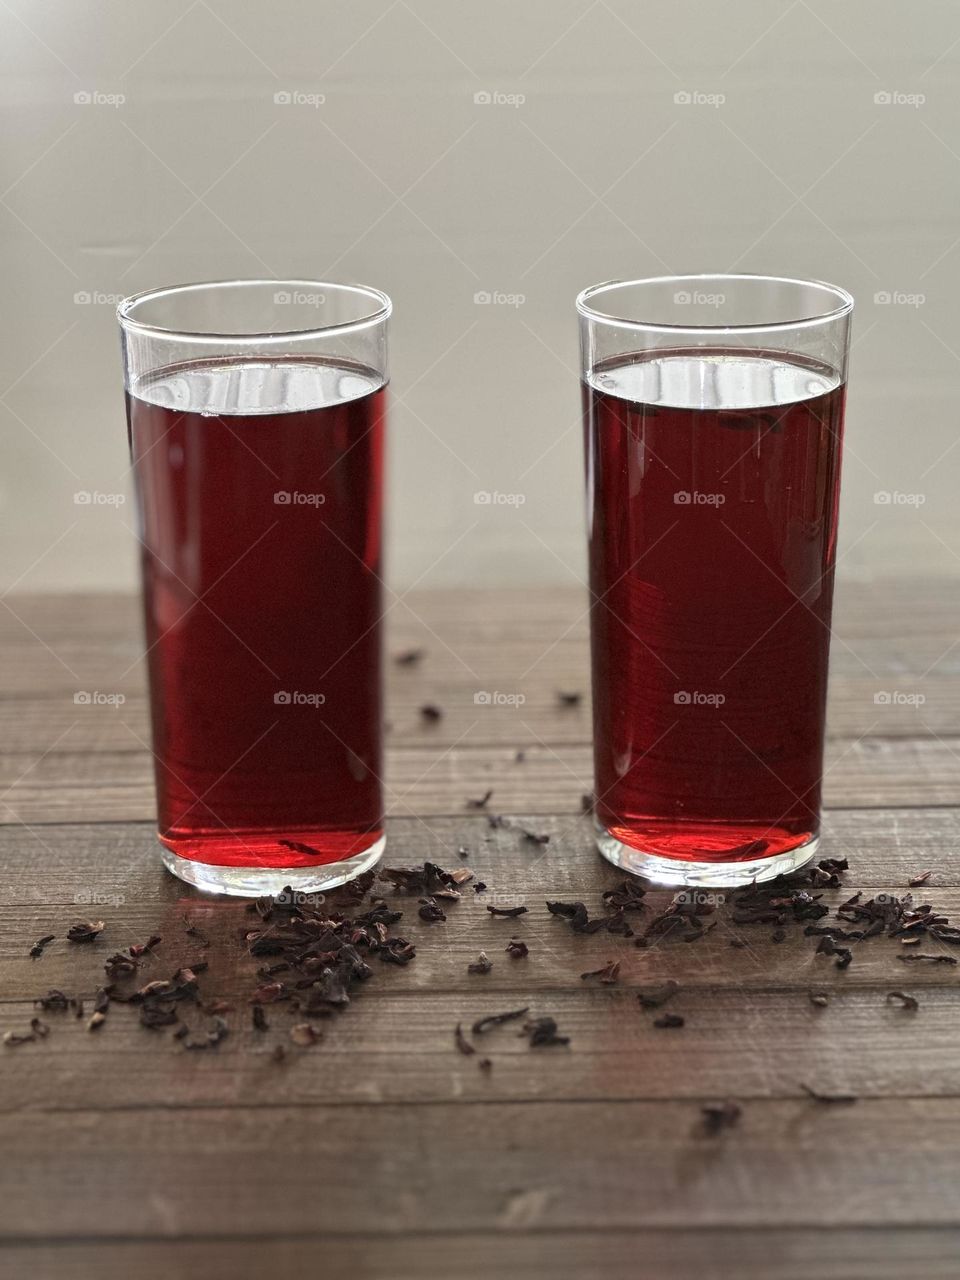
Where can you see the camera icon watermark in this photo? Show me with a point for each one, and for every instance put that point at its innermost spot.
(494, 698)
(896, 698)
(698, 298)
(894, 498)
(93, 498)
(493, 498)
(96, 98)
(694, 698)
(294, 698)
(294, 498)
(485, 298)
(684, 498)
(96, 298)
(298, 298)
(494, 98)
(94, 698)
(96, 898)
(298, 98)
(298, 898)
(694, 98)
(895, 98)
(897, 298)
(698, 898)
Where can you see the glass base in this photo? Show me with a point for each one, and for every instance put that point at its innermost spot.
(672, 872)
(256, 882)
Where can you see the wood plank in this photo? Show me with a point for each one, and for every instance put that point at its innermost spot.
(557, 956)
(53, 863)
(527, 644)
(402, 1023)
(908, 607)
(37, 722)
(549, 1166)
(426, 1165)
(397, 1046)
(684, 1254)
(64, 786)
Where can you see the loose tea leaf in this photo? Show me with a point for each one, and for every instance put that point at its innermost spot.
(499, 821)
(683, 919)
(905, 1001)
(843, 955)
(922, 878)
(669, 1020)
(576, 914)
(155, 1015)
(12, 1039)
(608, 974)
(142, 948)
(482, 802)
(430, 910)
(409, 657)
(120, 966)
(572, 699)
(543, 1032)
(628, 896)
(425, 880)
(497, 1020)
(923, 958)
(517, 949)
(397, 951)
(510, 913)
(483, 964)
(820, 998)
(37, 949)
(718, 1116)
(54, 1000)
(461, 1041)
(431, 713)
(85, 932)
(826, 874)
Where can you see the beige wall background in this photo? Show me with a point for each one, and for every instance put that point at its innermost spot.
(517, 149)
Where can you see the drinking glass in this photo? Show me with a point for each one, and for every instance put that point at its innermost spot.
(713, 411)
(255, 412)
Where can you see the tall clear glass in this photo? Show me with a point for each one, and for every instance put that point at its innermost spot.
(713, 409)
(256, 412)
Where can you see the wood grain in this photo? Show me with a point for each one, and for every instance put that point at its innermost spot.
(383, 1150)
(63, 785)
(681, 1254)
(492, 1166)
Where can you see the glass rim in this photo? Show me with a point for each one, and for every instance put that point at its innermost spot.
(379, 312)
(842, 297)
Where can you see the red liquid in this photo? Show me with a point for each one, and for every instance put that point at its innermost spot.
(263, 616)
(725, 596)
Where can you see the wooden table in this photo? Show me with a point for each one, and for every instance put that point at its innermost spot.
(383, 1151)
